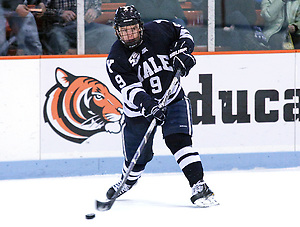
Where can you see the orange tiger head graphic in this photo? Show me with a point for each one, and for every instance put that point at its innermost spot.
(78, 107)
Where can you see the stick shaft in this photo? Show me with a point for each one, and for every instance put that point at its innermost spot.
(108, 205)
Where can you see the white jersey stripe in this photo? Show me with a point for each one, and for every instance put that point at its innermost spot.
(184, 33)
(129, 93)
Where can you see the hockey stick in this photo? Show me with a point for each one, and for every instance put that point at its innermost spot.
(103, 206)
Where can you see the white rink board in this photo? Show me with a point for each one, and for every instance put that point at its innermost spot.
(102, 144)
(297, 85)
(20, 109)
(249, 75)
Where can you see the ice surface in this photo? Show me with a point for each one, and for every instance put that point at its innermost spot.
(260, 198)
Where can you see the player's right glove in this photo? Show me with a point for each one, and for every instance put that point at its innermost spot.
(181, 57)
(151, 109)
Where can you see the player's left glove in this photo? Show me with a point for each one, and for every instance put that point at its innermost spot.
(181, 57)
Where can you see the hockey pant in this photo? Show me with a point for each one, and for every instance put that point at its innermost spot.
(177, 139)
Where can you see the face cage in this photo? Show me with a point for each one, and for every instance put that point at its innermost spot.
(131, 43)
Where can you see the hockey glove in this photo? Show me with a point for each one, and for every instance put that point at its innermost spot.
(151, 109)
(181, 57)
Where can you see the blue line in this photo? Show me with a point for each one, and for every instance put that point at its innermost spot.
(159, 164)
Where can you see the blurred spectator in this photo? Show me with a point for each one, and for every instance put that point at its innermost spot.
(159, 9)
(60, 26)
(235, 23)
(23, 26)
(257, 4)
(282, 20)
(197, 4)
(2, 30)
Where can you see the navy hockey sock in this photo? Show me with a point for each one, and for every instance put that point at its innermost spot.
(190, 163)
(193, 172)
(134, 175)
(188, 159)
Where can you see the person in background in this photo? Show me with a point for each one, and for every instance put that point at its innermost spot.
(282, 21)
(23, 25)
(60, 26)
(257, 4)
(234, 23)
(2, 30)
(116, 1)
(159, 9)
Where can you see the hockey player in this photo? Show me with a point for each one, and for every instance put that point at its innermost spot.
(141, 65)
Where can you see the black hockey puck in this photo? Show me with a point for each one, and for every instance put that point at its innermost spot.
(90, 216)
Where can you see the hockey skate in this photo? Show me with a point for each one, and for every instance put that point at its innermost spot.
(202, 196)
(112, 190)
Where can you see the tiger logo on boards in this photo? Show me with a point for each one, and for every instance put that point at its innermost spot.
(78, 107)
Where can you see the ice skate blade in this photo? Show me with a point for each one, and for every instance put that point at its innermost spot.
(206, 202)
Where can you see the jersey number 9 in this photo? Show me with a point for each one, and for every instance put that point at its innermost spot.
(155, 84)
(120, 81)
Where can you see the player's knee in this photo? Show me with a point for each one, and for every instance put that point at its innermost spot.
(175, 142)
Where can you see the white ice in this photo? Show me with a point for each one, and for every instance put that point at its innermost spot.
(254, 198)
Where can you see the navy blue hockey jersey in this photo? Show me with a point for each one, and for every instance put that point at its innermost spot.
(147, 68)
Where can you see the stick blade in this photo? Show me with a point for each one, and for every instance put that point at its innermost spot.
(104, 206)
